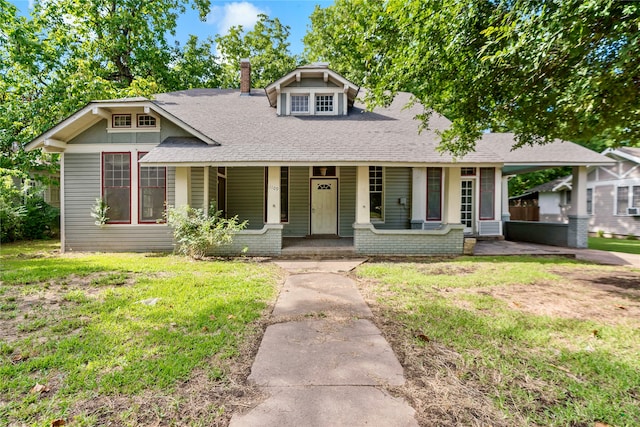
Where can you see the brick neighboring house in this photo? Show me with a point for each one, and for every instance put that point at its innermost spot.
(300, 158)
(612, 193)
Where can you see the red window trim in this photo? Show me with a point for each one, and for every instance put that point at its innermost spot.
(140, 221)
(102, 184)
(146, 126)
(493, 191)
(440, 201)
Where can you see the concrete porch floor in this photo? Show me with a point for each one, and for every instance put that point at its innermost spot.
(312, 247)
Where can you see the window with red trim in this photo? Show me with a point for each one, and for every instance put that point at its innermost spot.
(152, 192)
(116, 186)
(487, 193)
(434, 194)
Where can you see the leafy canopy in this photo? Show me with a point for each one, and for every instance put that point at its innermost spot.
(549, 69)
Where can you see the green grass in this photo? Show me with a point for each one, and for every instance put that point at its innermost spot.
(76, 322)
(615, 245)
(546, 370)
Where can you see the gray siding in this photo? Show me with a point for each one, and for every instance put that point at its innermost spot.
(397, 185)
(298, 225)
(197, 187)
(171, 186)
(82, 187)
(347, 194)
(604, 216)
(245, 195)
(98, 134)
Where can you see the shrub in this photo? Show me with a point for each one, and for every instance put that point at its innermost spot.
(195, 232)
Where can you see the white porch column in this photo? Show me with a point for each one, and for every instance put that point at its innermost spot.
(183, 186)
(452, 195)
(578, 229)
(206, 202)
(418, 197)
(506, 216)
(362, 195)
(273, 195)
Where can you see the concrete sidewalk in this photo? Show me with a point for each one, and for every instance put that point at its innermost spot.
(323, 362)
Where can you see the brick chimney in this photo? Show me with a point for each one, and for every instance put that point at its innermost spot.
(245, 77)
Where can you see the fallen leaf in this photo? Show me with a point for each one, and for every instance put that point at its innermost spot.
(423, 337)
(596, 333)
(212, 317)
(40, 388)
(601, 425)
(57, 423)
(231, 316)
(205, 329)
(19, 358)
(517, 304)
(621, 307)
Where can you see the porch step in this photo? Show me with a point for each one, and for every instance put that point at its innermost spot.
(318, 247)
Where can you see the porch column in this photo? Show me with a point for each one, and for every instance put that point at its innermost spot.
(273, 195)
(578, 229)
(362, 195)
(418, 197)
(183, 186)
(506, 215)
(452, 195)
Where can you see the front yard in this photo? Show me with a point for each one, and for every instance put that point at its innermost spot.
(149, 339)
(126, 339)
(615, 245)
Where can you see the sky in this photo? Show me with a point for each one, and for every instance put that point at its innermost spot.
(225, 14)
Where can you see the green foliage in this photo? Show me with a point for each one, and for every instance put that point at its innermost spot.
(265, 45)
(542, 70)
(196, 231)
(99, 212)
(23, 212)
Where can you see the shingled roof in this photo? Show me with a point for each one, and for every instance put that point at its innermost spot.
(248, 131)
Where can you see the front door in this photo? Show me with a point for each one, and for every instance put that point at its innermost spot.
(324, 206)
(466, 205)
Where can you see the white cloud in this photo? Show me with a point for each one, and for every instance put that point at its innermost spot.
(232, 14)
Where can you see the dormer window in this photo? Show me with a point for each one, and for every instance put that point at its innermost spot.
(146, 121)
(324, 103)
(299, 104)
(122, 120)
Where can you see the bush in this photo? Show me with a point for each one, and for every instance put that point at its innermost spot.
(196, 232)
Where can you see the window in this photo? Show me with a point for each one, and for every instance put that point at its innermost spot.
(567, 197)
(376, 206)
(434, 194)
(221, 203)
(116, 186)
(146, 121)
(487, 193)
(324, 103)
(299, 103)
(152, 192)
(284, 193)
(636, 197)
(468, 171)
(590, 201)
(622, 200)
(121, 120)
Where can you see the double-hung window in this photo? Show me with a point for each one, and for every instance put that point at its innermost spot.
(487, 193)
(152, 192)
(116, 186)
(376, 204)
(434, 194)
(590, 201)
(622, 200)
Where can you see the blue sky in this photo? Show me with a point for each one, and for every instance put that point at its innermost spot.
(225, 14)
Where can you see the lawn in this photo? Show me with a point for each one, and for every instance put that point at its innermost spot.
(615, 245)
(126, 339)
(512, 341)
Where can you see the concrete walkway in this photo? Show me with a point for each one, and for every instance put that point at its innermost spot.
(323, 362)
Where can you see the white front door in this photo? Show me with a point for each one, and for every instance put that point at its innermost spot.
(324, 206)
(466, 205)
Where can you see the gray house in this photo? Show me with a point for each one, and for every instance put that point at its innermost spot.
(300, 158)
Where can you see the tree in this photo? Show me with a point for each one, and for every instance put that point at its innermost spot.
(542, 69)
(265, 45)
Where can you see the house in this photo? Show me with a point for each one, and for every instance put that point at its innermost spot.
(300, 158)
(548, 202)
(613, 196)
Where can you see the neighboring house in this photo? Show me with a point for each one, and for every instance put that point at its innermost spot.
(612, 193)
(300, 158)
(548, 202)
